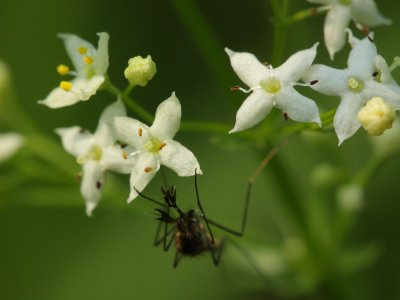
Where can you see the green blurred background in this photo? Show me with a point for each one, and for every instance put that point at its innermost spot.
(49, 249)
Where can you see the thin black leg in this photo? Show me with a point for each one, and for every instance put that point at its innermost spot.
(201, 208)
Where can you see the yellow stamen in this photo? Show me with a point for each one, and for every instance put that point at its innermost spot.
(140, 131)
(124, 155)
(88, 60)
(62, 69)
(162, 146)
(66, 85)
(82, 50)
(148, 169)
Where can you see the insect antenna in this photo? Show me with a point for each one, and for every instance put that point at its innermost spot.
(148, 198)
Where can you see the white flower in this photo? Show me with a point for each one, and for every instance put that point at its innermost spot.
(154, 145)
(273, 87)
(97, 153)
(355, 85)
(90, 68)
(339, 15)
(9, 144)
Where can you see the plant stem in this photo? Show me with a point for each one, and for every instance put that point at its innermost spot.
(206, 41)
(280, 30)
(129, 102)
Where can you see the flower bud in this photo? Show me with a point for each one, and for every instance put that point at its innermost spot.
(350, 197)
(325, 175)
(140, 70)
(376, 116)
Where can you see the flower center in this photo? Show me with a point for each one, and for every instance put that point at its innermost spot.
(271, 85)
(345, 2)
(355, 85)
(95, 153)
(376, 116)
(154, 145)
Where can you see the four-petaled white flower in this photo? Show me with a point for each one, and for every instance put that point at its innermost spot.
(339, 15)
(355, 85)
(97, 153)
(90, 68)
(9, 144)
(154, 145)
(273, 87)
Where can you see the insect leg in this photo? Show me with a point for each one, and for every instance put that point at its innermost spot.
(250, 183)
(201, 208)
(216, 251)
(178, 257)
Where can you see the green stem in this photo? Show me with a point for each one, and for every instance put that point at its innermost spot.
(129, 102)
(280, 30)
(206, 41)
(304, 15)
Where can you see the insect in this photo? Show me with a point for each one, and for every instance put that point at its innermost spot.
(191, 231)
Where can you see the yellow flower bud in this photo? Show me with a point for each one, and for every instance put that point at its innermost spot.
(376, 116)
(140, 70)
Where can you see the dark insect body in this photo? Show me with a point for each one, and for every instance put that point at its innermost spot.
(190, 231)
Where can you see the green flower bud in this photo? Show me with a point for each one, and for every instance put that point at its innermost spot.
(140, 70)
(350, 197)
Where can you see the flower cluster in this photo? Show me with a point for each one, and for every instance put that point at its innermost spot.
(369, 95)
(120, 144)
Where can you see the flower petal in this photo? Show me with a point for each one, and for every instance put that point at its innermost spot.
(72, 44)
(296, 65)
(82, 89)
(101, 60)
(75, 140)
(103, 134)
(331, 81)
(387, 92)
(9, 144)
(143, 172)
(362, 58)
(92, 185)
(253, 110)
(345, 120)
(131, 131)
(297, 107)
(167, 119)
(336, 21)
(180, 159)
(384, 70)
(113, 159)
(366, 13)
(249, 69)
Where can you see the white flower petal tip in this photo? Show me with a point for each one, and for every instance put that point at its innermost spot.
(10, 143)
(90, 208)
(229, 52)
